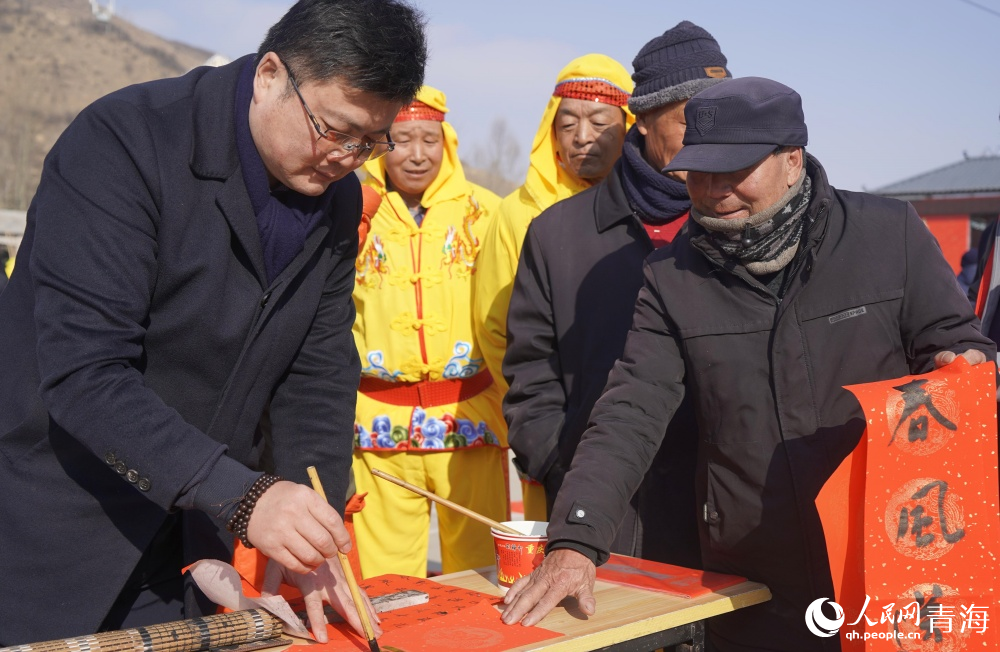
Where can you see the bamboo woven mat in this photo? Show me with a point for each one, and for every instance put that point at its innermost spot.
(232, 630)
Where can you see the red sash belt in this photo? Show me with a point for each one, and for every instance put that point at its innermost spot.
(426, 393)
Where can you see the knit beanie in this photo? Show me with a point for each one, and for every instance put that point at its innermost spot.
(686, 59)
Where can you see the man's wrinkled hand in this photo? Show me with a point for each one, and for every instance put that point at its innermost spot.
(292, 525)
(562, 573)
(972, 356)
(326, 584)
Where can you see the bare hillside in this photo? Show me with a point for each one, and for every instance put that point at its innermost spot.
(57, 59)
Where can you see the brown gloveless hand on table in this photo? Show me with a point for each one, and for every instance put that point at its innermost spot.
(563, 573)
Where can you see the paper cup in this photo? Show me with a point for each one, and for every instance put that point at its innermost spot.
(518, 555)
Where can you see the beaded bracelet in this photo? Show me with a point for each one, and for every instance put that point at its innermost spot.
(241, 518)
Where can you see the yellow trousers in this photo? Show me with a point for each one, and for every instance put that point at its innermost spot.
(533, 499)
(392, 529)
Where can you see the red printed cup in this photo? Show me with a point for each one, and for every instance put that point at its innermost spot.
(519, 554)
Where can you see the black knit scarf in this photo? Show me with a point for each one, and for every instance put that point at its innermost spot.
(655, 198)
(766, 241)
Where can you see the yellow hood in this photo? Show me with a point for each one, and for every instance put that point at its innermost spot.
(546, 182)
(450, 181)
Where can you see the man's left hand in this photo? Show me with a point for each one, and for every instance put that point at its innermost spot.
(972, 356)
(563, 572)
(326, 584)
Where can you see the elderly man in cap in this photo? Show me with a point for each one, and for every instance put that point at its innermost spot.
(576, 284)
(782, 290)
(578, 141)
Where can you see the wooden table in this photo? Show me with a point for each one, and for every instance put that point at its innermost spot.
(627, 619)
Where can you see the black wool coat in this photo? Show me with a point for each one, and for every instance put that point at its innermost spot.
(141, 344)
(766, 379)
(570, 311)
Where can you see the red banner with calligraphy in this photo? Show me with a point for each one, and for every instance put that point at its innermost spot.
(911, 517)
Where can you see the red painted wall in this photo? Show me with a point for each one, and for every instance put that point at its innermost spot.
(952, 233)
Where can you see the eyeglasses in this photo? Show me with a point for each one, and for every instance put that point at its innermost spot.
(344, 145)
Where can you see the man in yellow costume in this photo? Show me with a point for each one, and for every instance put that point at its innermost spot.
(428, 409)
(577, 143)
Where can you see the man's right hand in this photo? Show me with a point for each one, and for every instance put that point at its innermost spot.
(292, 525)
(563, 572)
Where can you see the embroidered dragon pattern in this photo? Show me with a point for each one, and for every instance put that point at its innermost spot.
(462, 246)
(373, 264)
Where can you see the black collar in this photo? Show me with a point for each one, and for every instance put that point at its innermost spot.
(213, 148)
(610, 204)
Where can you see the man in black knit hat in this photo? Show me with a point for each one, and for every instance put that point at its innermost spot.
(569, 314)
(781, 291)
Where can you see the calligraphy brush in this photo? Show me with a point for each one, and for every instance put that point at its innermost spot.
(345, 563)
(447, 503)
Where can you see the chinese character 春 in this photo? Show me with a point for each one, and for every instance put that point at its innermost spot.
(915, 396)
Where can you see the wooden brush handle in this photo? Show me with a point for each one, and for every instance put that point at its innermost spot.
(345, 563)
(447, 503)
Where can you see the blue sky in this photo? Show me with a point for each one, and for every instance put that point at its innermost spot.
(891, 88)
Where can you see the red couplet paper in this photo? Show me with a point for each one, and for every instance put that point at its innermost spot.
(911, 516)
(654, 576)
(442, 600)
(452, 618)
(476, 627)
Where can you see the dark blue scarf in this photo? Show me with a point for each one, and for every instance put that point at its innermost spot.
(284, 218)
(655, 197)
